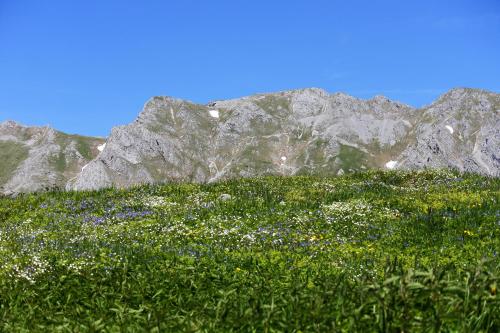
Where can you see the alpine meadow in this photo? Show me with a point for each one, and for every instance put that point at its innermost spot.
(305, 166)
(374, 251)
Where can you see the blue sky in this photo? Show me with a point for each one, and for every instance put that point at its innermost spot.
(85, 66)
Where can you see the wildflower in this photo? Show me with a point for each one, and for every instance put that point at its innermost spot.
(153, 201)
(468, 233)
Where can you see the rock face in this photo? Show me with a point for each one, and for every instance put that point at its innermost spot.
(461, 130)
(304, 131)
(297, 132)
(38, 158)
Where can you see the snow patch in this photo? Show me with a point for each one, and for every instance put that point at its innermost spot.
(83, 168)
(101, 147)
(391, 164)
(450, 129)
(214, 113)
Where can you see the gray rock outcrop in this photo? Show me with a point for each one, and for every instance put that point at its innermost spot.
(305, 131)
(461, 130)
(40, 158)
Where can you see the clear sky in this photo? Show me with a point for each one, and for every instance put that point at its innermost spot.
(83, 66)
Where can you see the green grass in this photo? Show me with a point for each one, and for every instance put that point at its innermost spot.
(351, 158)
(83, 146)
(277, 106)
(12, 154)
(59, 162)
(376, 251)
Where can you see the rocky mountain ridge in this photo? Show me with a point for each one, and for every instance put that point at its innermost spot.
(306, 131)
(40, 158)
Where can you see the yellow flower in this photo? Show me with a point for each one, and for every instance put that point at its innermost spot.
(468, 233)
(493, 289)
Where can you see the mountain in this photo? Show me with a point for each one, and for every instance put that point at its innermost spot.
(461, 130)
(38, 158)
(307, 131)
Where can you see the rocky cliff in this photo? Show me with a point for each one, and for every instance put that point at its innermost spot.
(306, 131)
(461, 130)
(39, 158)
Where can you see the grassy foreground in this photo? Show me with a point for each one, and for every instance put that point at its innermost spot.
(378, 251)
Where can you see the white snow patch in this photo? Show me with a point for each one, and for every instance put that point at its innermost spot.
(391, 164)
(214, 113)
(83, 168)
(283, 158)
(449, 128)
(101, 147)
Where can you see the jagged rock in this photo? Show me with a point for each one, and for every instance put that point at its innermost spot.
(461, 130)
(297, 132)
(293, 132)
(39, 158)
(307, 131)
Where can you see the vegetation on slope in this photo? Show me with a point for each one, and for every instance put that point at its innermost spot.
(375, 251)
(12, 154)
(83, 143)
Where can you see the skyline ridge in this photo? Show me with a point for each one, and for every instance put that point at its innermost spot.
(249, 96)
(83, 66)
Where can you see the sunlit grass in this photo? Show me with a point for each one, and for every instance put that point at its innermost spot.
(377, 251)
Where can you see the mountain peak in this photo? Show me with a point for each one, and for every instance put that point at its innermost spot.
(312, 90)
(301, 131)
(38, 158)
(463, 92)
(10, 123)
(381, 99)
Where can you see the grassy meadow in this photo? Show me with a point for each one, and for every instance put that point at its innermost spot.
(365, 252)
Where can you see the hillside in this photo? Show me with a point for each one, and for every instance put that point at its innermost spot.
(40, 158)
(296, 132)
(376, 251)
